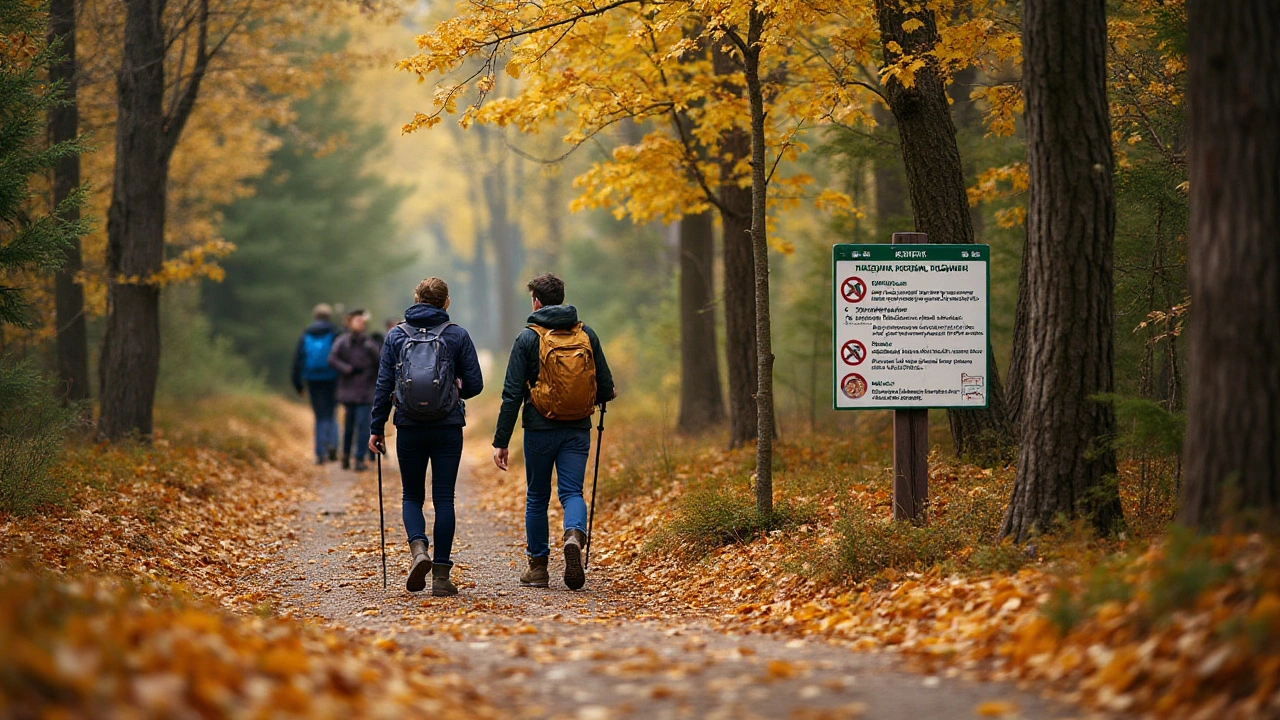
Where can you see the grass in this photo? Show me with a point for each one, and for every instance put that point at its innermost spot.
(710, 518)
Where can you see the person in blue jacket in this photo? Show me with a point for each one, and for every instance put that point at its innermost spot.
(312, 375)
(437, 442)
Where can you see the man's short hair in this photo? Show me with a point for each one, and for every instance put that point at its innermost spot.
(547, 289)
(432, 291)
(355, 313)
(322, 311)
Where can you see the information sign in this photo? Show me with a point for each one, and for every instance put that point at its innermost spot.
(910, 326)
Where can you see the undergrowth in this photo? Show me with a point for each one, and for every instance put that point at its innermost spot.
(709, 518)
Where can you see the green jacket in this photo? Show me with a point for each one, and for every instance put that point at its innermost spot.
(522, 371)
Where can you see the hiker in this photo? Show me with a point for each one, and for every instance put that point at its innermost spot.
(313, 376)
(559, 374)
(355, 357)
(428, 369)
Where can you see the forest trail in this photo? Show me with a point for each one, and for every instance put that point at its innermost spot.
(595, 654)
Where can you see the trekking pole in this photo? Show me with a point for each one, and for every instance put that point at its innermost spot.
(591, 516)
(382, 525)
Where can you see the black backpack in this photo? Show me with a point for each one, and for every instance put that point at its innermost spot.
(426, 384)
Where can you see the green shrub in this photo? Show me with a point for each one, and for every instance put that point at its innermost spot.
(961, 525)
(1184, 573)
(194, 363)
(712, 518)
(32, 426)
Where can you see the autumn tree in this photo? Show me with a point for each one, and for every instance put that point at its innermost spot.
(701, 403)
(1232, 454)
(1066, 465)
(72, 343)
(916, 92)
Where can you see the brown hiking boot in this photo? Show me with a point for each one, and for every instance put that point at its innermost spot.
(418, 567)
(536, 575)
(440, 584)
(574, 576)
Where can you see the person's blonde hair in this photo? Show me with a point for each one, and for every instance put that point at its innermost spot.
(433, 291)
(322, 311)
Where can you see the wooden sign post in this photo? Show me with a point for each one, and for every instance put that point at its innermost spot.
(910, 442)
(909, 333)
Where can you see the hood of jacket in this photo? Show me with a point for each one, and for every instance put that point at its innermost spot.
(424, 315)
(555, 317)
(321, 327)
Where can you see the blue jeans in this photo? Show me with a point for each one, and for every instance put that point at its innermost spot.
(441, 446)
(356, 428)
(565, 450)
(324, 403)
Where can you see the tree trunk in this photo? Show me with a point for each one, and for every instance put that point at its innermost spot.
(890, 181)
(760, 254)
(701, 405)
(739, 278)
(505, 244)
(1233, 407)
(72, 337)
(135, 230)
(935, 178)
(1066, 466)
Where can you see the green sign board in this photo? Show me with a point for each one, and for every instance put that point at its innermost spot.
(911, 324)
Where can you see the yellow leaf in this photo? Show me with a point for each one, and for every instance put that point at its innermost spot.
(995, 708)
(912, 25)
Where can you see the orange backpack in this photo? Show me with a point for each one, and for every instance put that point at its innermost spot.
(566, 387)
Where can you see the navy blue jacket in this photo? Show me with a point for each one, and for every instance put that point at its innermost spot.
(319, 327)
(465, 367)
(522, 371)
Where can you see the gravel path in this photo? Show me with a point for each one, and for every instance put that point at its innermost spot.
(595, 654)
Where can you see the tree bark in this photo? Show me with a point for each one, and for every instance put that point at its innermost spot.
(890, 180)
(739, 278)
(72, 343)
(936, 183)
(1066, 465)
(135, 230)
(1232, 453)
(145, 140)
(505, 244)
(760, 254)
(701, 403)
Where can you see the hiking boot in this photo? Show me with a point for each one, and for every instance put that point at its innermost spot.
(418, 567)
(440, 585)
(346, 462)
(574, 576)
(536, 575)
(360, 465)
(333, 455)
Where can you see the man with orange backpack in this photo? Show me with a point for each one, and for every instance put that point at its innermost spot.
(559, 374)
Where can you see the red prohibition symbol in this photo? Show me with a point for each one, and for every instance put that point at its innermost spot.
(853, 289)
(853, 353)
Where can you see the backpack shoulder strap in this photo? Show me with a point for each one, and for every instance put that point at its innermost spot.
(439, 329)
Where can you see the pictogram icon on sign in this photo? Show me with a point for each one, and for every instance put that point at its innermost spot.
(853, 289)
(853, 386)
(853, 353)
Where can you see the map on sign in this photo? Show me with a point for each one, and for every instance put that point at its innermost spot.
(910, 326)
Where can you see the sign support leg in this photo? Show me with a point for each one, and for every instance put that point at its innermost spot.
(910, 443)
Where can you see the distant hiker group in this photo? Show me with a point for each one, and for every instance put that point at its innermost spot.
(426, 369)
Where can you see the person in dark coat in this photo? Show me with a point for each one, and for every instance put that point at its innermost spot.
(312, 375)
(559, 445)
(437, 442)
(355, 357)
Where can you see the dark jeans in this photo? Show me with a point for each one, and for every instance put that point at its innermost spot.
(356, 428)
(565, 450)
(416, 445)
(324, 403)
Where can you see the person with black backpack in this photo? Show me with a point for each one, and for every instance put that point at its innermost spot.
(558, 373)
(312, 375)
(428, 369)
